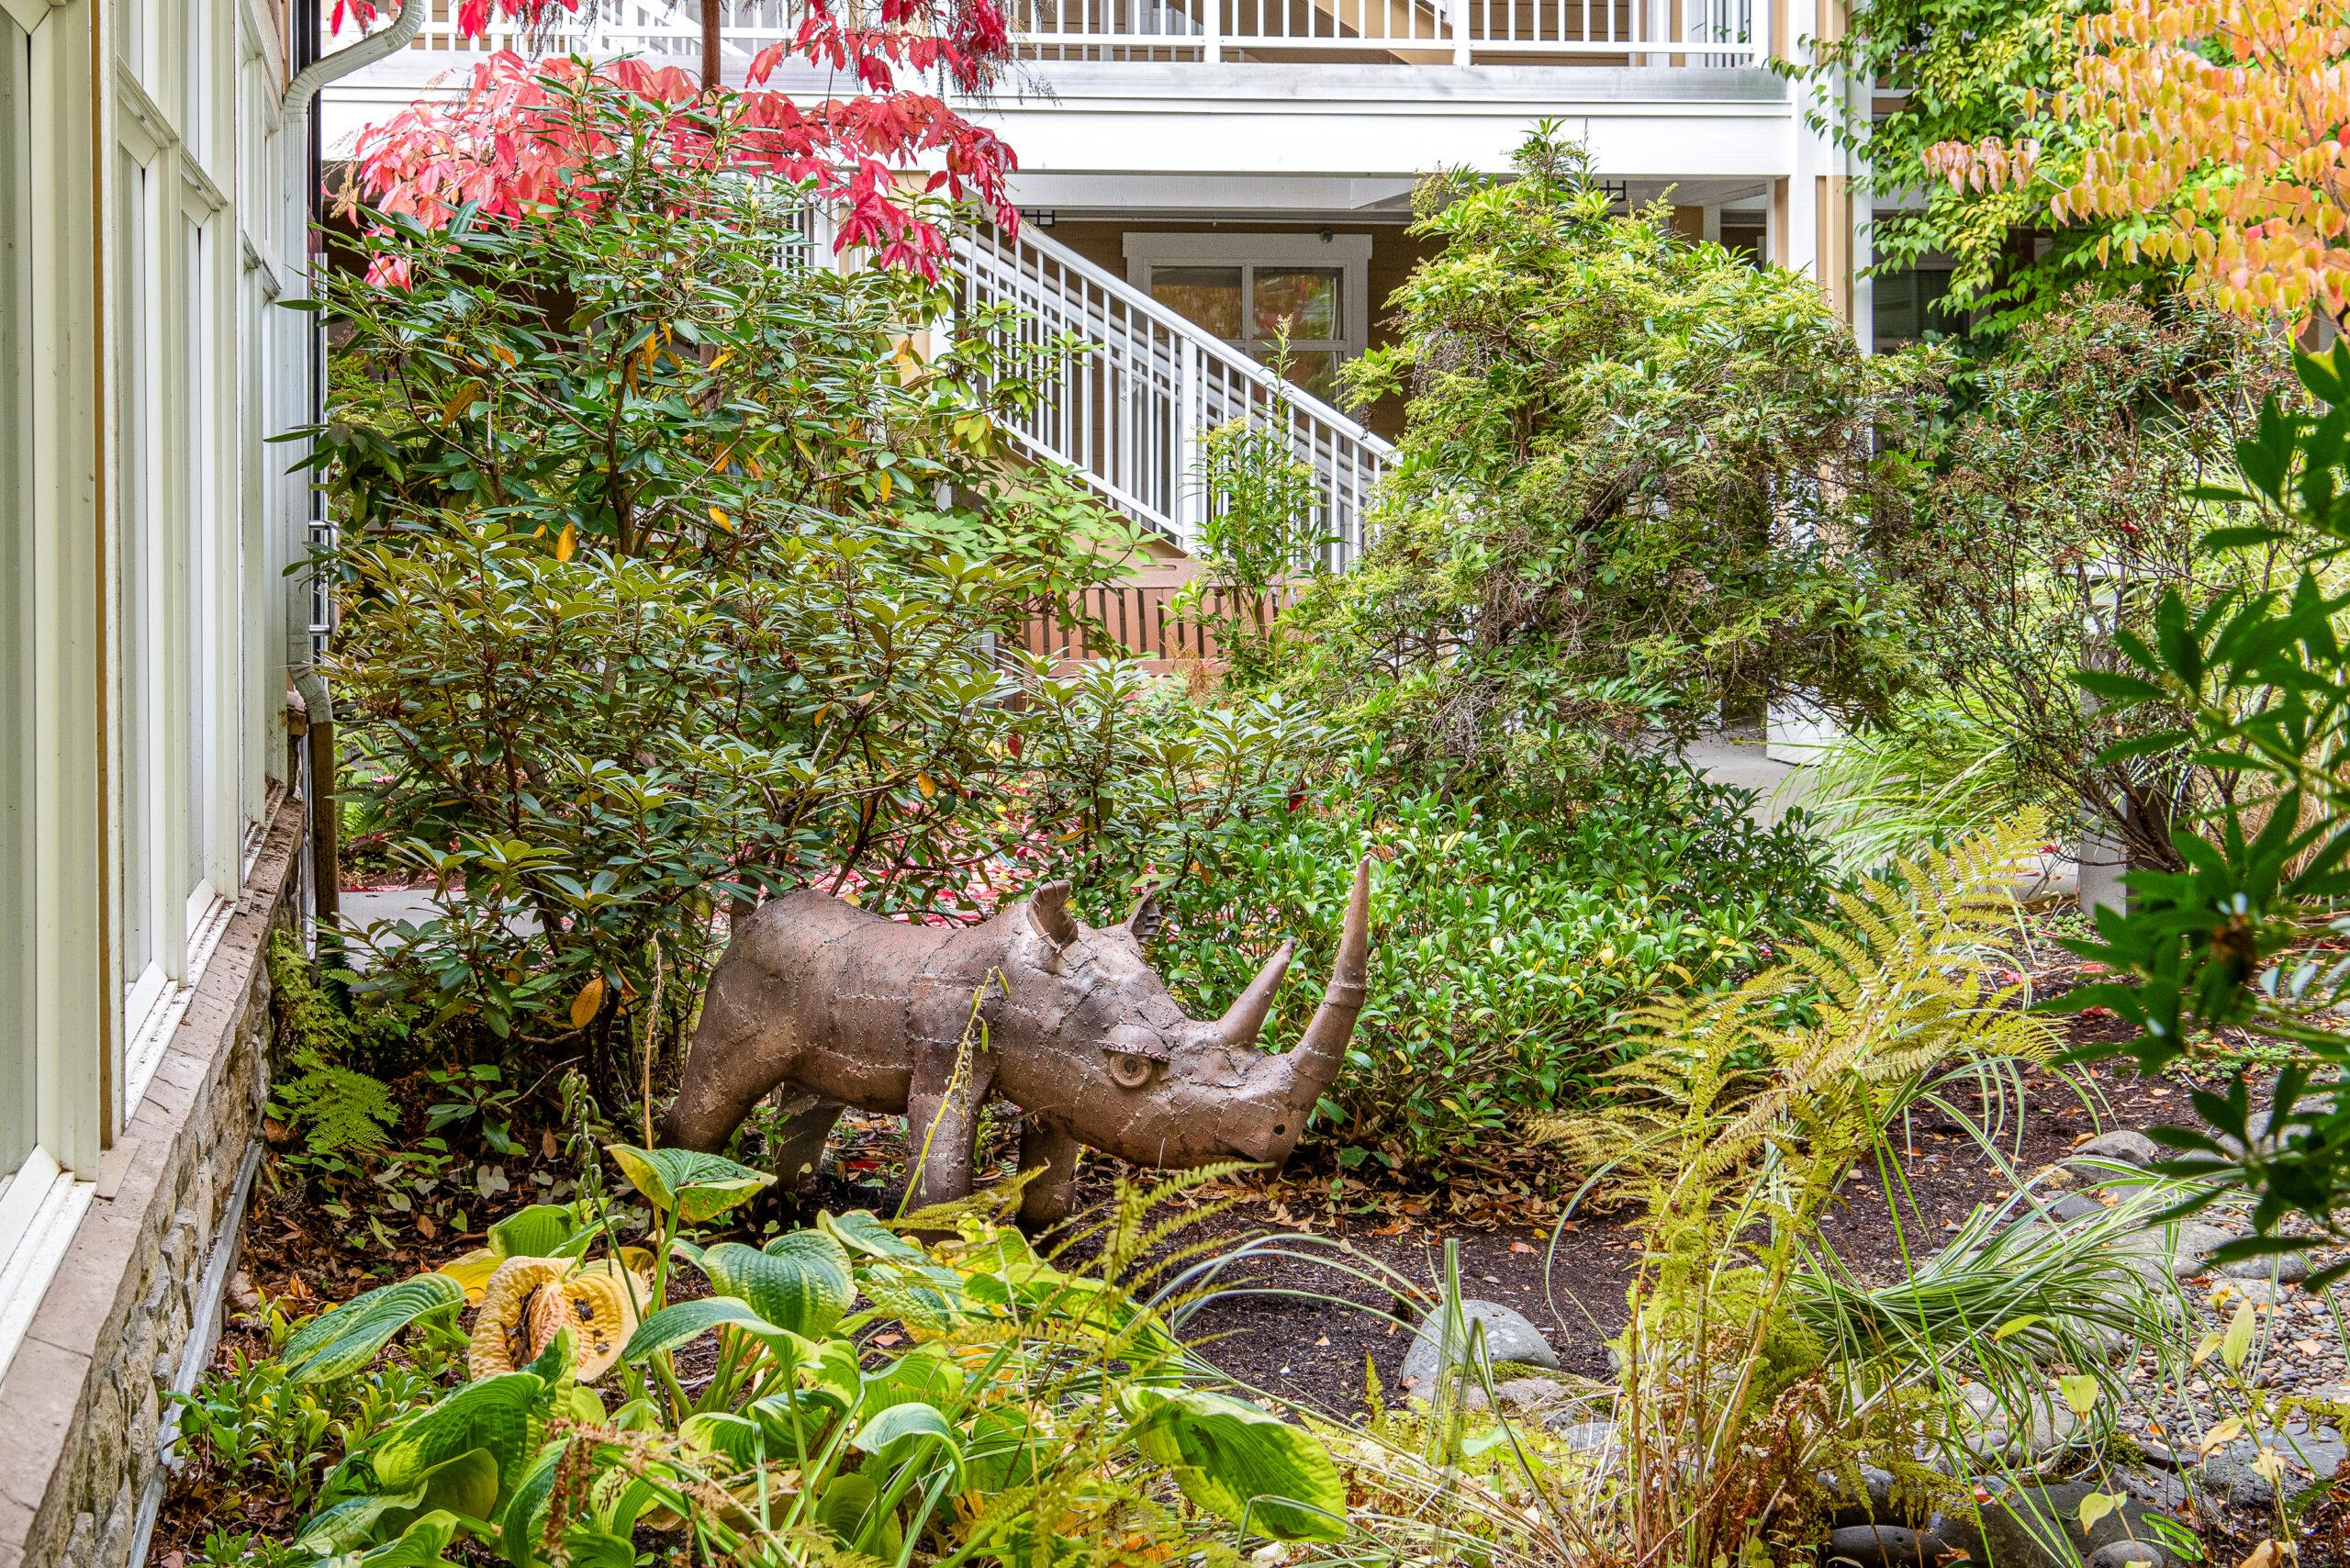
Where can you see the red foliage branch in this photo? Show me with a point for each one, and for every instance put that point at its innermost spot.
(515, 143)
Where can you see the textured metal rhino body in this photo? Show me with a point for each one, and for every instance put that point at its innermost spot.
(840, 1007)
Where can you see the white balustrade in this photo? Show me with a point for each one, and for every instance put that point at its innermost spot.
(1127, 407)
(1461, 32)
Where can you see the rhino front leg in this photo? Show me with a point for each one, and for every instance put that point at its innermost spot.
(799, 1144)
(942, 1124)
(1051, 1154)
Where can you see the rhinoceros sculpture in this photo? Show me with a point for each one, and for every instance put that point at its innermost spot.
(841, 1007)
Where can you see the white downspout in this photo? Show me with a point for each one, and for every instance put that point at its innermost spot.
(294, 130)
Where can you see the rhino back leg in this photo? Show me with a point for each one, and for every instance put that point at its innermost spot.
(1051, 1153)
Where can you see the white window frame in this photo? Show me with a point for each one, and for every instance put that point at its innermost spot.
(164, 368)
(1348, 255)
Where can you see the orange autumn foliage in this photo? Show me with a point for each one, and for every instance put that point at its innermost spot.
(2228, 123)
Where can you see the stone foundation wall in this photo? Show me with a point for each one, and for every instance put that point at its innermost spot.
(84, 1400)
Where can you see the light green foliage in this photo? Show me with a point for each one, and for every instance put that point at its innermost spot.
(2055, 511)
(668, 569)
(1263, 531)
(1623, 493)
(1041, 1412)
(1963, 71)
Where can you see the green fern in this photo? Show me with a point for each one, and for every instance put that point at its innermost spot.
(1825, 1047)
(337, 1109)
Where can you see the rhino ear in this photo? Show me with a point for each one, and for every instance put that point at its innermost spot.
(1048, 915)
(1144, 918)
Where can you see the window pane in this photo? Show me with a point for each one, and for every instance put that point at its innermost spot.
(1209, 296)
(1317, 370)
(1306, 297)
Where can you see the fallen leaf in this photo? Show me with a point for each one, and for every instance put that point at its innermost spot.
(1521, 1246)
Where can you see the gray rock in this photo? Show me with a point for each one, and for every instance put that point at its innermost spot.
(2289, 1267)
(2123, 1146)
(2159, 1489)
(2148, 1553)
(2196, 1241)
(1882, 1546)
(2076, 1205)
(1588, 1437)
(1508, 1336)
(2038, 1527)
(1873, 1504)
(2310, 1455)
(1536, 1396)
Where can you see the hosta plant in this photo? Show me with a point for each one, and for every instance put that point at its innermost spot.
(845, 1391)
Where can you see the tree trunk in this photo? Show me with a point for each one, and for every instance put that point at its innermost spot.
(710, 24)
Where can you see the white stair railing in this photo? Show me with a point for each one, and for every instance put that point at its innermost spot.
(1127, 409)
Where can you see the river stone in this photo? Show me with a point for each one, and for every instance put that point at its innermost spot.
(2144, 1553)
(1875, 1504)
(1587, 1437)
(2289, 1267)
(2310, 1455)
(2076, 1205)
(2038, 1527)
(1509, 1337)
(1882, 1546)
(2198, 1240)
(2125, 1146)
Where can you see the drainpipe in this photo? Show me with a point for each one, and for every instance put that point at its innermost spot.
(301, 652)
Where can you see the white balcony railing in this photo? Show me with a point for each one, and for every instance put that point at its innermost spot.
(1128, 409)
(1460, 32)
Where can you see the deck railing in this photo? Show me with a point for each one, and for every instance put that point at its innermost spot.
(1460, 32)
(1127, 409)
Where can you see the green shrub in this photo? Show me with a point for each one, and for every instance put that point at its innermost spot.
(1628, 491)
(670, 573)
(1507, 949)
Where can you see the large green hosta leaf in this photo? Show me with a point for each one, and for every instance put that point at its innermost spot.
(541, 1230)
(682, 1322)
(462, 1485)
(799, 1281)
(1240, 1464)
(693, 1185)
(339, 1343)
(496, 1416)
(424, 1544)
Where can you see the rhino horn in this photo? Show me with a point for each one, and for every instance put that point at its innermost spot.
(1324, 1046)
(1048, 912)
(1244, 1018)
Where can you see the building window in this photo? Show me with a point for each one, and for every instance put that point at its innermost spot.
(1244, 288)
(1909, 304)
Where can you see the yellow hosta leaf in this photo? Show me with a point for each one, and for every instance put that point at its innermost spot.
(2097, 1505)
(588, 1003)
(2238, 1343)
(473, 1270)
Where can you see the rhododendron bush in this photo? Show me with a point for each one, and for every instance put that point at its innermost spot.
(892, 158)
(671, 571)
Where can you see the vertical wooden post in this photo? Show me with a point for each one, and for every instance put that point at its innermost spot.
(711, 22)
